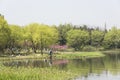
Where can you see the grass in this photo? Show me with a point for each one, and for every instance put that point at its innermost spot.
(115, 51)
(31, 56)
(79, 55)
(61, 55)
(7, 73)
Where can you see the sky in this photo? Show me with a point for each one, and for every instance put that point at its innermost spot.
(55, 12)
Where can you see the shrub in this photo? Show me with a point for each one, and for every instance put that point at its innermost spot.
(89, 48)
(70, 50)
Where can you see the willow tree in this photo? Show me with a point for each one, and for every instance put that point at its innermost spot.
(4, 33)
(16, 37)
(29, 34)
(45, 36)
(41, 36)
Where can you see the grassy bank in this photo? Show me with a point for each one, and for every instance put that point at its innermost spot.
(80, 55)
(19, 57)
(7, 73)
(61, 55)
(114, 51)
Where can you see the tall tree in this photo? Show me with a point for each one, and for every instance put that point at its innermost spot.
(97, 37)
(41, 36)
(112, 38)
(63, 29)
(16, 37)
(4, 33)
(77, 38)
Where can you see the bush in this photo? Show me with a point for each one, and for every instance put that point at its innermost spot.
(89, 48)
(101, 48)
(92, 48)
(70, 50)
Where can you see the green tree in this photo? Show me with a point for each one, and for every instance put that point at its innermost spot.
(16, 37)
(46, 36)
(97, 37)
(112, 38)
(4, 33)
(63, 29)
(41, 36)
(77, 38)
(29, 34)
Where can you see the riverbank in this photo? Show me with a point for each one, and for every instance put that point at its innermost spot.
(113, 51)
(60, 55)
(79, 55)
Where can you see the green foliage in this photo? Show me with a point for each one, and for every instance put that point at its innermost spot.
(40, 36)
(112, 38)
(70, 50)
(4, 33)
(16, 36)
(97, 37)
(63, 29)
(92, 48)
(77, 38)
(89, 48)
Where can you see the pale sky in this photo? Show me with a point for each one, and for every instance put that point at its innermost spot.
(55, 12)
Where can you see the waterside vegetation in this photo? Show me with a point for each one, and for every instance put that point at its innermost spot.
(8, 73)
(62, 55)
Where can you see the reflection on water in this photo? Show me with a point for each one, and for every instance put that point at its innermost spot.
(36, 63)
(102, 76)
(25, 63)
(106, 68)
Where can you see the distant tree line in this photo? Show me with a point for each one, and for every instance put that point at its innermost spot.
(36, 36)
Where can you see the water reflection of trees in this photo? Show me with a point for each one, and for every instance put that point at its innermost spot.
(26, 63)
(110, 63)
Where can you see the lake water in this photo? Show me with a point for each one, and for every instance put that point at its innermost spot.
(106, 68)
